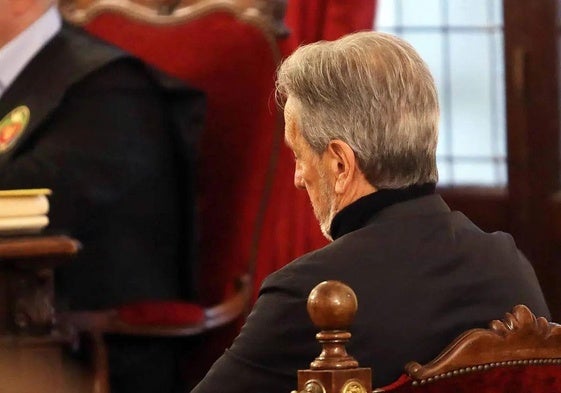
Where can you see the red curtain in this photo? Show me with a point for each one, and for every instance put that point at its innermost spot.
(290, 228)
(314, 20)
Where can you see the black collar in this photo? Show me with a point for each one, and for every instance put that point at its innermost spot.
(358, 213)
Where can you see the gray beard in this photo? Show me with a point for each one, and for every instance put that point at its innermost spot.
(325, 224)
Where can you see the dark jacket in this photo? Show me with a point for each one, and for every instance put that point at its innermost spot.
(100, 136)
(422, 275)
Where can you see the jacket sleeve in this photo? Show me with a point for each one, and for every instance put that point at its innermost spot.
(276, 341)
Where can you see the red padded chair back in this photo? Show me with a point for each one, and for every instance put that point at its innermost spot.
(229, 51)
(542, 378)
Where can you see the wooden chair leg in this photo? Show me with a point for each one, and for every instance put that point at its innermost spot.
(100, 363)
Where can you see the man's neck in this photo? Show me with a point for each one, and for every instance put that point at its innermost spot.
(358, 213)
(357, 190)
(16, 53)
(20, 20)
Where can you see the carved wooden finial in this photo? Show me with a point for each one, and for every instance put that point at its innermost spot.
(332, 307)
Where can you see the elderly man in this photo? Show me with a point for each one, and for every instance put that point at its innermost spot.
(100, 136)
(361, 118)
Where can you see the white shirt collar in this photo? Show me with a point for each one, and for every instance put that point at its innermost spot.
(15, 55)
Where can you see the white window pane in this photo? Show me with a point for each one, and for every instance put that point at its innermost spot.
(499, 121)
(390, 30)
(444, 147)
(471, 172)
(430, 46)
(501, 172)
(444, 172)
(471, 94)
(385, 14)
(496, 18)
(430, 14)
(475, 172)
(470, 12)
(462, 43)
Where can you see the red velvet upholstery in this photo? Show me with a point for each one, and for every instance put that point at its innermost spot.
(507, 379)
(234, 63)
(313, 20)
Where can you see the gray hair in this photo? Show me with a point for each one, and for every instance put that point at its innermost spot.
(374, 92)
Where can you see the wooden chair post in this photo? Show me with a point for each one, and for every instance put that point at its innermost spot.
(332, 307)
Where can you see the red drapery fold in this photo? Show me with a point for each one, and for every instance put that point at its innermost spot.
(290, 228)
(314, 20)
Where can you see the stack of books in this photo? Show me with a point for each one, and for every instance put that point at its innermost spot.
(24, 211)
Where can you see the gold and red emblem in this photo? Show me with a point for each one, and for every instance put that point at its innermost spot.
(12, 126)
(353, 386)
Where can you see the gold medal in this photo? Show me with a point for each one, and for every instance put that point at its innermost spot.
(12, 126)
(353, 386)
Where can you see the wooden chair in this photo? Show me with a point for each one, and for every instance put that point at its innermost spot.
(158, 318)
(228, 49)
(519, 354)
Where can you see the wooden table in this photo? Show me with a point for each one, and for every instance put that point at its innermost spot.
(26, 275)
(33, 348)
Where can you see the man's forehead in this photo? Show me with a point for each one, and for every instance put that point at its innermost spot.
(289, 134)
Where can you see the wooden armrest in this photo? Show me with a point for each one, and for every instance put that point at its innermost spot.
(109, 321)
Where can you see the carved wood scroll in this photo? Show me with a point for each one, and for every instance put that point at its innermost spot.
(268, 14)
(520, 336)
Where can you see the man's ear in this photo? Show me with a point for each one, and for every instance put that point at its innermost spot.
(342, 164)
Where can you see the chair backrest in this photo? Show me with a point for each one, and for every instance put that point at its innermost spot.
(228, 49)
(518, 354)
